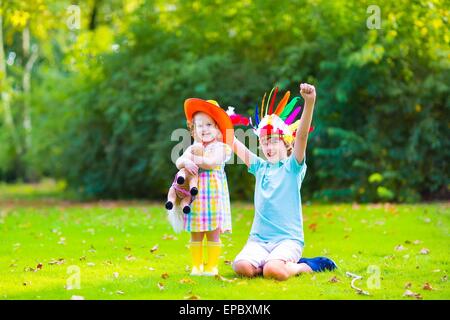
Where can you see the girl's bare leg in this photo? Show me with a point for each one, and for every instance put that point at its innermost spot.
(197, 236)
(213, 236)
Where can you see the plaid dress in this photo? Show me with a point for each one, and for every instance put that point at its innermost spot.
(210, 209)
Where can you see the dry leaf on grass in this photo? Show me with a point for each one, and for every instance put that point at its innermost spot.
(427, 286)
(334, 280)
(155, 247)
(187, 281)
(409, 293)
(165, 275)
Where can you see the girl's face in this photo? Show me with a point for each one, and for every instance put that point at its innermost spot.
(273, 148)
(205, 127)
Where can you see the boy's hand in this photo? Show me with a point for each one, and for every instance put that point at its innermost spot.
(308, 93)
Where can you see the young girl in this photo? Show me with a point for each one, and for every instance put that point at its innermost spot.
(276, 239)
(210, 210)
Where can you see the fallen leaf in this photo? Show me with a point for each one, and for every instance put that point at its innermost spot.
(187, 281)
(424, 251)
(130, 257)
(155, 247)
(334, 280)
(169, 237)
(408, 285)
(312, 227)
(427, 286)
(228, 262)
(192, 297)
(409, 293)
(39, 266)
(161, 286)
(222, 278)
(58, 262)
(165, 275)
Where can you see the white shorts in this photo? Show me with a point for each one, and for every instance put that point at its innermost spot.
(258, 253)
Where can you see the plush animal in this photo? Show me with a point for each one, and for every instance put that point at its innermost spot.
(182, 192)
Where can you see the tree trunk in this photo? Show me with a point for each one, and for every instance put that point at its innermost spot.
(5, 95)
(26, 83)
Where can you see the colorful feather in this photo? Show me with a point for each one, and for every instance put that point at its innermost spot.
(273, 100)
(256, 115)
(268, 100)
(288, 109)
(262, 105)
(282, 103)
(292, 116)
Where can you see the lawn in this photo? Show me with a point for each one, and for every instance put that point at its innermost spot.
(126, 250)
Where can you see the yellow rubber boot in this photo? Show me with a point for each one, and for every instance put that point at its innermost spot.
(212, 266)
(196, 248)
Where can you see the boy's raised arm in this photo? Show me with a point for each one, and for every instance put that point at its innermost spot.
(242, 151)
(308, 93)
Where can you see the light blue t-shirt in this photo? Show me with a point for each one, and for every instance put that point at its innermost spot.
(278, 204)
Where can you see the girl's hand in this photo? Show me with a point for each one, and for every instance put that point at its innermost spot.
(190, 167)
(308, 93)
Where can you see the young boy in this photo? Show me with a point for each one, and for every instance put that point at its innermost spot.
(276, 240)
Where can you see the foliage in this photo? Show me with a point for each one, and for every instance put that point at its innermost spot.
(106, 98)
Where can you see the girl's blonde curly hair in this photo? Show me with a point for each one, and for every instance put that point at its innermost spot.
(191, 128)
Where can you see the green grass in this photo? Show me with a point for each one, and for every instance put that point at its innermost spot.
(111, 242)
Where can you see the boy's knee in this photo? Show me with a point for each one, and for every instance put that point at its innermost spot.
(244, 268)
(275, 271)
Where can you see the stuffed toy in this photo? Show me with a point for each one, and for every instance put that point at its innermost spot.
(182, 191)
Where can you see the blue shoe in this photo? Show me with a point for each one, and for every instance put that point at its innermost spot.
(319, 264)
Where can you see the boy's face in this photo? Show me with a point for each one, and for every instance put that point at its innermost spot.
(205, 127)
(273, 148)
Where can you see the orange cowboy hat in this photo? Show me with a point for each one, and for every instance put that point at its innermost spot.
(211, 108)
